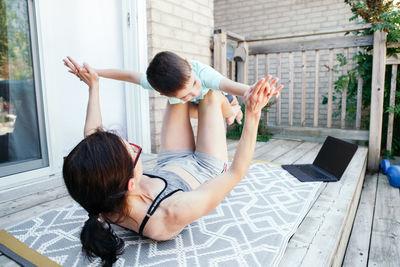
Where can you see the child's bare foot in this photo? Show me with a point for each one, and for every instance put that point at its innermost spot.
(239, 116)
(236, 112)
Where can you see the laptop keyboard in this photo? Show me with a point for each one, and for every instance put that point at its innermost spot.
(310, 170)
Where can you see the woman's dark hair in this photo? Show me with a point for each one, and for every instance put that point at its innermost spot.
(100, 166)
(168, 73)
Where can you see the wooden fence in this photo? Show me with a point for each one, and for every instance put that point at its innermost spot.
(394, 61)
(280, 46)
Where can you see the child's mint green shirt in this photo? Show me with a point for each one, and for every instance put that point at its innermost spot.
(210, 79)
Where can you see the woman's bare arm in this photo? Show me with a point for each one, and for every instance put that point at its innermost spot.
(93, 113)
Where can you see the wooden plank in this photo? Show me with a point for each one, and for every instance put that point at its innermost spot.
(331, 30)
(14, 218)
(291, 87)
(360, 82)
(393, 45)
(319, 132)
(25, 202)
(391, 104)
(316, 90)
(330, 90)
(303, 89)
(231, 71)
(344, 94)
(235, 36)
(255, 68)
(358, 246)
(338, 255)
(271, 151)
(322, 236)
(30, 187)
(327, 43)
(243, 66)
(309, 156)
(267, 68)
(232, 145)
(279, 103)
(377, 96)
(296, 153)
(385, 245)
(220, 53)
(395, 59)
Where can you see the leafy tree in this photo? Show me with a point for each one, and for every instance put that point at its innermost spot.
(15, 46)
(383, 16)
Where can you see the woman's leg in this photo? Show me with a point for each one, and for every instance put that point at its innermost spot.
(177, 132)
(211, 137)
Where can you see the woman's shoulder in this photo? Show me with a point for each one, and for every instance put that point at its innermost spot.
(164, 223)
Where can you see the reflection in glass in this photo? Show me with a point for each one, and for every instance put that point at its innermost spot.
(19, 125)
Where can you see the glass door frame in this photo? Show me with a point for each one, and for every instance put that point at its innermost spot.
(43, 162)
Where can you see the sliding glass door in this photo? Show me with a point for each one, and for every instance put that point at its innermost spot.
(22, 130)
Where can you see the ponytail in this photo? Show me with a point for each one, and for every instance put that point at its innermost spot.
(99, 240)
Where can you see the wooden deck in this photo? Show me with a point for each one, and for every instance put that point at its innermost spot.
(322, 238)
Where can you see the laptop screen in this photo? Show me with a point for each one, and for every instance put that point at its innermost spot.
(335, 155)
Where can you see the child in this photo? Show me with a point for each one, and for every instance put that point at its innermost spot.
(180, 80)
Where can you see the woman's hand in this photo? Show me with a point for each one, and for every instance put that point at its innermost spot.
(260, 93)
(85, 73)
(72, 65)
(89, 76)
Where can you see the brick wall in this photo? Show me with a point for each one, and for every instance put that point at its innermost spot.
(272, 17)
(265, 18)
(183, 27)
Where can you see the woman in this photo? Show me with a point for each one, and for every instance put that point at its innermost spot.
(103, 173)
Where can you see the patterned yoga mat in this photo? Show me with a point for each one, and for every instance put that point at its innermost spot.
(251, 227)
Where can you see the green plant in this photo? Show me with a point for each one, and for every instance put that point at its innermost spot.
(383, 16)
(235, 130)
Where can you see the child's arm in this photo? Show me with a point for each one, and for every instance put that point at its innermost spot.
(233, 88)
(116, 74)
(121, 75)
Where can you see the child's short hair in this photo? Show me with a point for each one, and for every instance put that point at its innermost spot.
(168, 73)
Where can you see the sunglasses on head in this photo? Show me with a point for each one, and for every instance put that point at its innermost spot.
(138, 150)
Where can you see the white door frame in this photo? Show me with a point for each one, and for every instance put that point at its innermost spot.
(134, 36)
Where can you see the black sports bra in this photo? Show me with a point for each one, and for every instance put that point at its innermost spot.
(173, 184)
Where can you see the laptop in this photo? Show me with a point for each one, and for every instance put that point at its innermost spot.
(329, 165)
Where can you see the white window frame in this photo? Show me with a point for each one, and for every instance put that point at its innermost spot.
(134, 35)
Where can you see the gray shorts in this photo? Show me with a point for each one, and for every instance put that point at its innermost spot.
(202, 166)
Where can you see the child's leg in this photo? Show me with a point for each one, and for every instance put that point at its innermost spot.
(211, 137)
(230, 110)
(177, 132)
(236, 109)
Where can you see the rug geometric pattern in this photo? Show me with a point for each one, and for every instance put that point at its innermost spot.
(250, 227)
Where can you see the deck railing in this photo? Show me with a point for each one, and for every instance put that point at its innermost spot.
(394, 61)
(278, 47)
